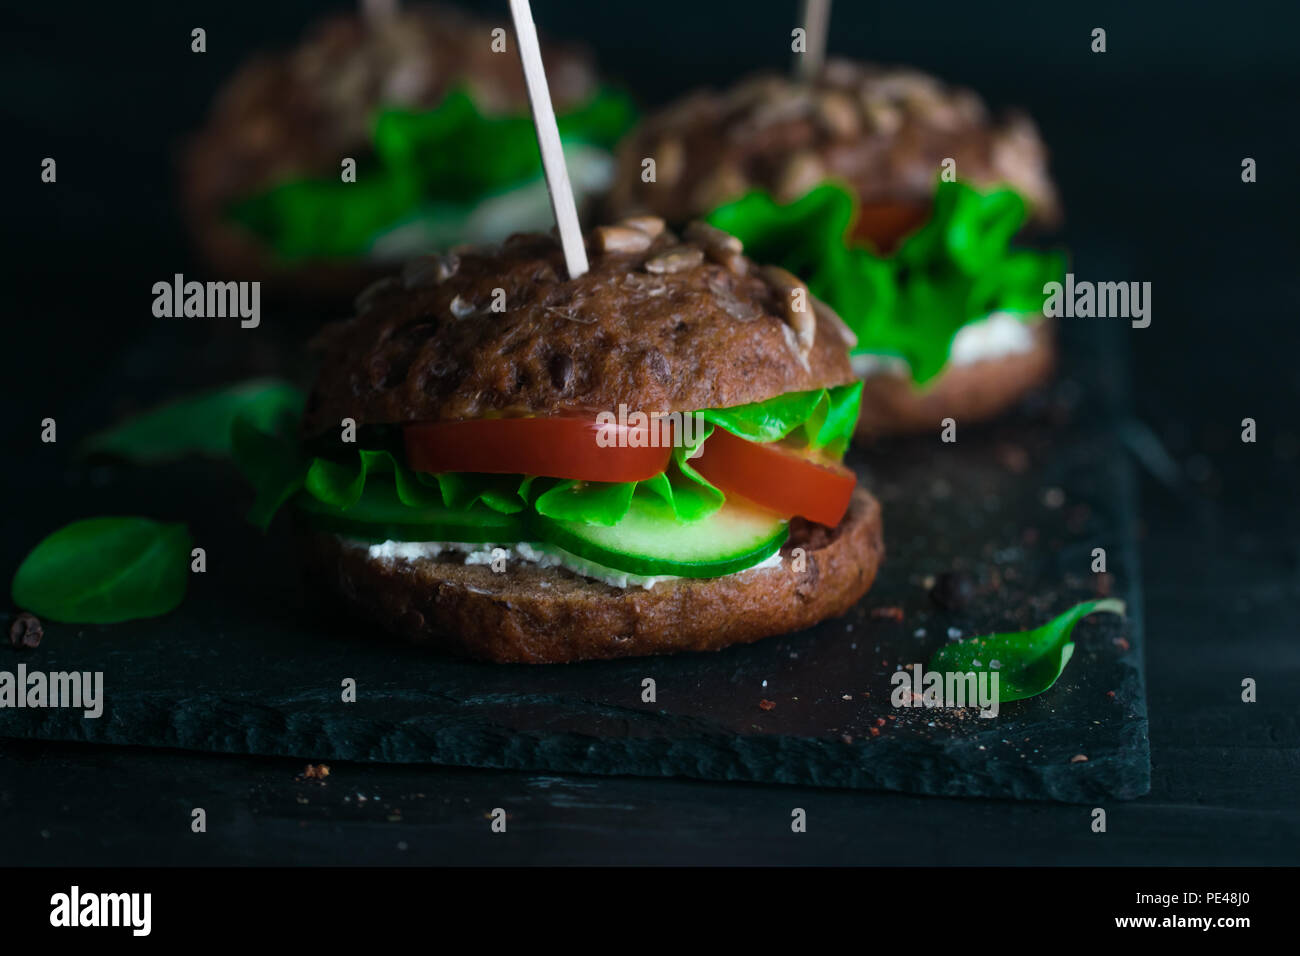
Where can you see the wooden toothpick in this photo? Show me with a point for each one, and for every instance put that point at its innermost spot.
(548, 140)
(815, 20)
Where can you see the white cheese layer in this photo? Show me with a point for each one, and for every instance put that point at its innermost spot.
(544, 556)
(996, 335)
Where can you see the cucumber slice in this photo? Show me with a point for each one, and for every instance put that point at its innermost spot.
(650, 540)
(380, 515)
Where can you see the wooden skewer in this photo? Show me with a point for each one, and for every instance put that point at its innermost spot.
(815, 19)
(548, 140)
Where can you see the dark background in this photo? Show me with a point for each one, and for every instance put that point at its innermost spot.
(1147, 142)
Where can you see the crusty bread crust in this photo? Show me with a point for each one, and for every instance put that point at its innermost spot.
(893, 405)
(297, 113)
(547, 615)
(882, 130)
(659, 323)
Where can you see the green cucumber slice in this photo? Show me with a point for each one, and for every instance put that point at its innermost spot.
(379, 515)
(650, 540)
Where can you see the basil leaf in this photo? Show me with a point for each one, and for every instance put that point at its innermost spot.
(196, 424)
(1028, 662)
(957, 268)
(105, 570)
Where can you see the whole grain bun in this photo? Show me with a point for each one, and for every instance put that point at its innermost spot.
(538, 615)
(892, 404)
(297, 114)
(882, 130)
(659, 323)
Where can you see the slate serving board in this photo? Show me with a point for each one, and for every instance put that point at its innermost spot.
(249, 664)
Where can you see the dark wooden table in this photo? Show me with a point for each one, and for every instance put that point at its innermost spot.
(1221, 604)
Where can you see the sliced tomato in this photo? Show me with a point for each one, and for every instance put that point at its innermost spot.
(777, 477)
(569, 447)
(886, 224)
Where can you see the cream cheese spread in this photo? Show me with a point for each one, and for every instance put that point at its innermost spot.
(544, 556)
(996, 335)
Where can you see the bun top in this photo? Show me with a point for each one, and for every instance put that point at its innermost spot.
(658, 323)
(297, 113)
(883, 131)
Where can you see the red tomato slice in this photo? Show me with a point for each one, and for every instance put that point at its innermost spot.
(547, 447)
(777, 478)
(886, 224)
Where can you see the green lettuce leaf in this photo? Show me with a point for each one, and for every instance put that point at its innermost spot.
(1027, 662)
(507, 494)
(694, 496)
(766, 421)
(269, 454)
(595, 502)
(955, 269)
(452, 154)
(687, 493)
(827, 417)
(457, 153)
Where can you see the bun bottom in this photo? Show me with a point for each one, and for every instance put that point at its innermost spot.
(534, 615)
(892, 405)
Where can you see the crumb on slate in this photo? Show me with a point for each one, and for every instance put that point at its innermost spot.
(26, 630)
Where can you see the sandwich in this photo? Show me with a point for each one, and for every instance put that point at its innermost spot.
(429, 107)
(510, 464)
(896, 197)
